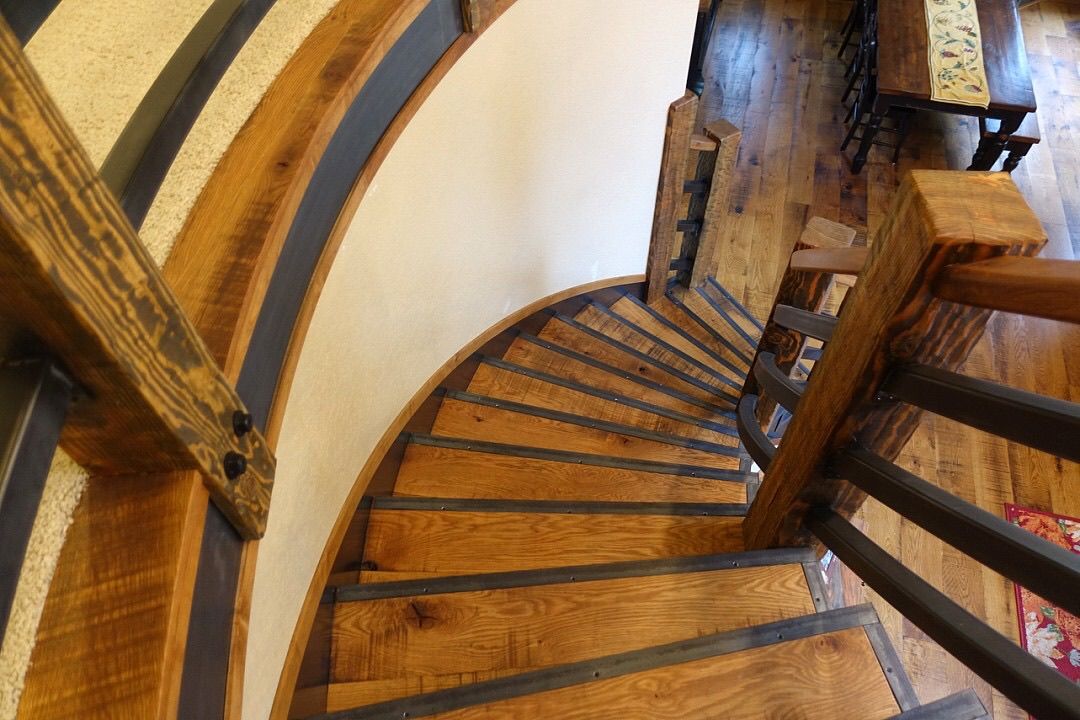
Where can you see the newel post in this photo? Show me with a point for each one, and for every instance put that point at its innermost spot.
(938, 219)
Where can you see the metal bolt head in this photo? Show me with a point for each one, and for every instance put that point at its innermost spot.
(235, 464)
(242, 423)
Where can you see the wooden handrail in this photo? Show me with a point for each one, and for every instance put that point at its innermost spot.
(1040, 287)
(938, 219)
(842, 261)
(74, 274)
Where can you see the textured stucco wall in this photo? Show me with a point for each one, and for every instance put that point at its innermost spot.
(531, 168)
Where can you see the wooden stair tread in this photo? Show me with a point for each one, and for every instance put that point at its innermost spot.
(457, 418)
(641, 317)
(561, 333)
(529, 354)
(509, 385)
(611, 327)
(677, 315)
(537, 626)
(831, 675)
(710, 289)
(455, 542)
(428, 471)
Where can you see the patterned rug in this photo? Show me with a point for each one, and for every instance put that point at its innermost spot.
(1047, 632)
(957, 73)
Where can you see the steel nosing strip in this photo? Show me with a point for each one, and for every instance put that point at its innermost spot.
(891, 667)
(638, 355)
(670, 295)
(738, 305)
(588, 671)
(571, 574)
(656, 315)
(611, 369)
(727, 318)
(665, 345)
(576, 458)
(815, 584)
(605, 425)
(610, 396)
(559, 507)
(963, 705)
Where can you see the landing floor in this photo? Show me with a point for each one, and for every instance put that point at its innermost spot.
(772, 71)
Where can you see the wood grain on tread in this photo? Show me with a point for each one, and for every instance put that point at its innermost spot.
(670, 311)
(611, 327)
(539, 626)
(641, 317)
(508, 385)
(462, 419)
(348, 695)
(559, 332)
(826, 676)
(531, 355)
(430, 471)
(478, 542)
(733, 312)
(363, 577)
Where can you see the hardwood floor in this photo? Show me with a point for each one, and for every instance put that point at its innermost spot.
(772, 71)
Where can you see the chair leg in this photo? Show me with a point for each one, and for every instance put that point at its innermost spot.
(850, 133)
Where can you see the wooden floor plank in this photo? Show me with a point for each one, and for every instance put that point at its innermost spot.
(461, 419)
(508, 385)
(479, 542)
(563, 334)
(428, 471)
(825, 676)
(529, 354)
(543, 625)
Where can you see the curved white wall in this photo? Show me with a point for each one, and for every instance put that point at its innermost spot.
(530, 169)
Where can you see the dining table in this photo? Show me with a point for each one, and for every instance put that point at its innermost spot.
(903, 73)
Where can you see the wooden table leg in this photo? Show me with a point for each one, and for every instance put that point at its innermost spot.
(990, 148)
(871, 129)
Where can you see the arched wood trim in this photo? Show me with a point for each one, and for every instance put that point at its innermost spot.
(298, 643)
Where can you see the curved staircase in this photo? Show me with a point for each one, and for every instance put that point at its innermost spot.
(566, 542)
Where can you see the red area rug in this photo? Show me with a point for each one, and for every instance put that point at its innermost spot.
(1047, 632)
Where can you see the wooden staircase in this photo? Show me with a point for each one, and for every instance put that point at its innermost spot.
(566, 541)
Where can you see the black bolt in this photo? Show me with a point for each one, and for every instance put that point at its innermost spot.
(242, 423)
(235, 465)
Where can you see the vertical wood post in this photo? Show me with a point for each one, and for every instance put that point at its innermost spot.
(938, 219)
(669, 191)
(707, 257)
(803, 290)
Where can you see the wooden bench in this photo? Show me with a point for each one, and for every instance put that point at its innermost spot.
(1019, 142)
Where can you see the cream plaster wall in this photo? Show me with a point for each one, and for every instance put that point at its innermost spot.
(531, 168)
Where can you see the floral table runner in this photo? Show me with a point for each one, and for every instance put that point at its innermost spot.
(957, 73)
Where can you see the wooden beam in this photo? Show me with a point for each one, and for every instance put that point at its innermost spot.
(844, 261)
(707, 259)
(939, 218)
(74, 273)
(669, 192)
(1030, 286)
(799, 288)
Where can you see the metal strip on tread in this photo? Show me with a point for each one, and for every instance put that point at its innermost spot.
(562, 507)
(961, 706)
(738, 305)
(656, 315)
(643, 357)
(610, 396)
(584, 421)
(563, 575)
(588, 671)
(895, 675)
(576, 458)
(665, 345)
(815, 584)
(611, 369)
(727, 318)
(670, 295)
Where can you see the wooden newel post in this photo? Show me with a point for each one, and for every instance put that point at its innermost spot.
(803, 290)
(669, 191)
(707, 255)
(938, 219)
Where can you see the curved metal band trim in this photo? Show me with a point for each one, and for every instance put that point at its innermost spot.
(757, 444)
(785, 391)
(815, 325)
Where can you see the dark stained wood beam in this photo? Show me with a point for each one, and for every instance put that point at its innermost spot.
(938, 218)
(74, 273)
